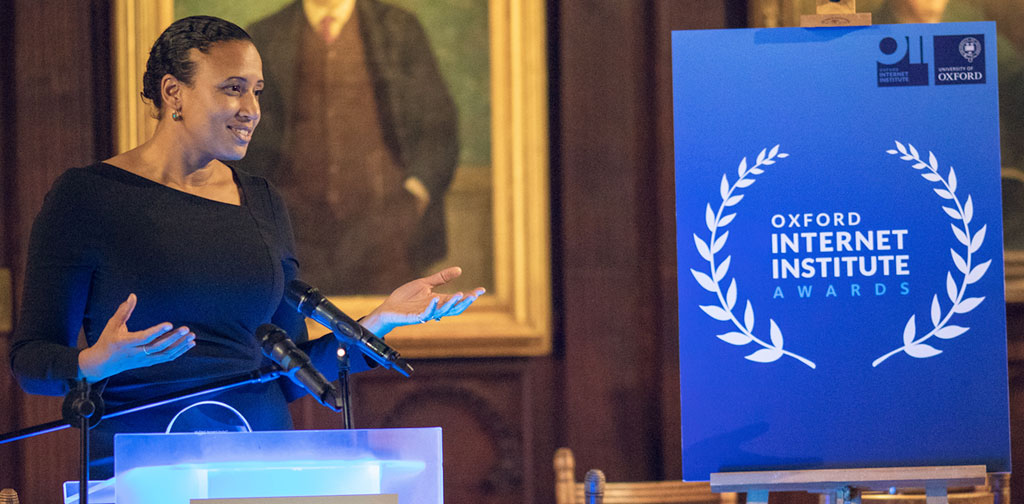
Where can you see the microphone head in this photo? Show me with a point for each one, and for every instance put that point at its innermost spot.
(302, 296)
(403, 367)
(269, 335)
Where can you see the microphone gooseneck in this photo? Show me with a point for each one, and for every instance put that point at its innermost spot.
(310, 302)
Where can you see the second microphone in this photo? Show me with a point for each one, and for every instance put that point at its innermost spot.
(308, 301)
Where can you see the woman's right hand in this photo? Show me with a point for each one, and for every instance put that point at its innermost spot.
(119, 349)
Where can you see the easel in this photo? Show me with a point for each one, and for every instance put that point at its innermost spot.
(836, 13)
(844, 486)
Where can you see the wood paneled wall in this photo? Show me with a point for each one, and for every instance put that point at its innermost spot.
(1015, 351)
(10, 396)
(610, 388)
(54, 98)
(607, 240)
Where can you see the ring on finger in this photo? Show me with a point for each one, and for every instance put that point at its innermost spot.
(145, 350)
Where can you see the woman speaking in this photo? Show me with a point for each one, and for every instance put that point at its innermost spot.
(168, 259)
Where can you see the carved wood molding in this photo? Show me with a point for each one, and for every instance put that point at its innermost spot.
(506, 475)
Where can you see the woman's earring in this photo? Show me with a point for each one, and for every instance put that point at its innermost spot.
(176, 115)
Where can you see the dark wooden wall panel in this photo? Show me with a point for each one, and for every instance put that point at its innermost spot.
(1015, 349)
(10, 396)
(54, 110)
(604, 163)
(671, 16)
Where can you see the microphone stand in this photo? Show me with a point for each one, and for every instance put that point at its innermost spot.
(345, 397)
(83, 408)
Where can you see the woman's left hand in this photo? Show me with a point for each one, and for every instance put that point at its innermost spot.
(416, 302)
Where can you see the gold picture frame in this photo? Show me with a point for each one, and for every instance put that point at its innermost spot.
(782, 13)
(514, 317)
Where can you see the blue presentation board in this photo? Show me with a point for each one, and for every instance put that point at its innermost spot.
(839, 243)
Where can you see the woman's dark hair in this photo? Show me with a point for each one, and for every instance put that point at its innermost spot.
(169, 54)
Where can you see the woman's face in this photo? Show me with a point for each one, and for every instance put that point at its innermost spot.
(221, 108)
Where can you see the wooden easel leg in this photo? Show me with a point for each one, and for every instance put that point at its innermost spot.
(999, 484)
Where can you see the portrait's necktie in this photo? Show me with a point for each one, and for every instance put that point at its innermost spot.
(325, 29)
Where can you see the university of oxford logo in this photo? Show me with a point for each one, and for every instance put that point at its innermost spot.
(970, 48)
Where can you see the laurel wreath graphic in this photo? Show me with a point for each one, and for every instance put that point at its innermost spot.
(711, 281)
(913, 345)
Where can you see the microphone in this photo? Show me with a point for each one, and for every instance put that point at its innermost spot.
(308, 301)
(278, 347)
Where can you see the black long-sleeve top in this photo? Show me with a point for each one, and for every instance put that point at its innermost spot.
(217, 268)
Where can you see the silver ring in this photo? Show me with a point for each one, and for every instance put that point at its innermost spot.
(145, 350)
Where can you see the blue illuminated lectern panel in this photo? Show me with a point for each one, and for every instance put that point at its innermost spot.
(174, 468)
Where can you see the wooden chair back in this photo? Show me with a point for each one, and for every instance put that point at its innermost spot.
(8, 496)
(596, 491)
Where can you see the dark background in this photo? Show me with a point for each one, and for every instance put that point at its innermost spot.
(609, 390)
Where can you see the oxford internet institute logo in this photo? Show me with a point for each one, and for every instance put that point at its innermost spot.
(946, 317)
(901, 62)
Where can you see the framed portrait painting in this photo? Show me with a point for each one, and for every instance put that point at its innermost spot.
(404, 136)
(1010, 54)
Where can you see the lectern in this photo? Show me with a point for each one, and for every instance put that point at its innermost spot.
(185, 468)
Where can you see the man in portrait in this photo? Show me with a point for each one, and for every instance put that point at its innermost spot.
(359, 132)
